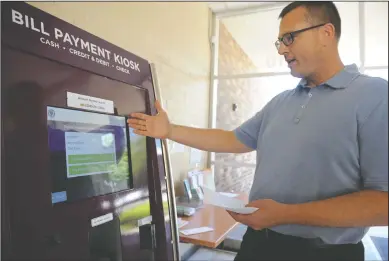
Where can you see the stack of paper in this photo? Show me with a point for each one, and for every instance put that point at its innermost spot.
(231, 195)
(198, 230)
(181, 223)
(226, 202)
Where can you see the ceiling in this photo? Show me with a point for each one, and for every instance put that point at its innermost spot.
(218, 7)
(255, 29)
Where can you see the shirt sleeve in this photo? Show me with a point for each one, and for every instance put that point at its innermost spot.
(248, 132)
(373, 148)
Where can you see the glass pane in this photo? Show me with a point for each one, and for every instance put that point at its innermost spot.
(349, 39)
(249, 95)
(233, 178)
(383, 73)
(376, 40)
(246, 43)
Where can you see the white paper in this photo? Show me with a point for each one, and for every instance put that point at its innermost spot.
(244, 210)
(181, 223)
(198, 230)
(226, 202)
(191, 173)
(209, 180)
(90, 103)
(200, 179)
(193, 182)
(230, 195)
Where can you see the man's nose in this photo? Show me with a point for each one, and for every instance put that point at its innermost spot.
(282, 49)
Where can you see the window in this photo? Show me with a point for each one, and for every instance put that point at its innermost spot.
(376, 28)
(251, 72)
(349, 39)
(246, 43)
(382, 73)
(250, 95)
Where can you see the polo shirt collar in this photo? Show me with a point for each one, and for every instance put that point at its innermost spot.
(341, 80)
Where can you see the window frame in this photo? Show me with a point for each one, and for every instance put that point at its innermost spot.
(214, 77)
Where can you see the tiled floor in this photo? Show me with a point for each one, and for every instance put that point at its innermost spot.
(187, 250)
(371, 251)
(378, 231)
(212, 254)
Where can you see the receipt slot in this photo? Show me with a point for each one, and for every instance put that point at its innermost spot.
(76, 182)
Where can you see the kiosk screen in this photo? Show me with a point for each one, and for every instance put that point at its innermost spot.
(89, 154)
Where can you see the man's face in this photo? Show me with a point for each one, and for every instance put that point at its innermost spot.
(302, 55)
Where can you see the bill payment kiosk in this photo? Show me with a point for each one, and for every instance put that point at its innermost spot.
(76, 182)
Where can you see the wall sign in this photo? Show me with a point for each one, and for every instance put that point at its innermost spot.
(90, 103)
(33, 30)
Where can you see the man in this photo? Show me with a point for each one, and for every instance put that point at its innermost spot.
(322, 172)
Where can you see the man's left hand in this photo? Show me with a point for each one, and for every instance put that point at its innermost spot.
(270, 213)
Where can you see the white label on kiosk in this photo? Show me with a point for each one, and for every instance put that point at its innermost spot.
(101, 220)
(145, 220)
(90, 103)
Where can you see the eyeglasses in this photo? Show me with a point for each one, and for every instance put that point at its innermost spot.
(288, 38)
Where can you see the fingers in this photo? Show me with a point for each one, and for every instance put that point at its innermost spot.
(137, 127)
(158, 106)
(140, 132)
(232, 214)
(256, 203)
(141, 116)
(136, 122)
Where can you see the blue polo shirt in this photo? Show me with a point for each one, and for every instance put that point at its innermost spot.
(322, 142)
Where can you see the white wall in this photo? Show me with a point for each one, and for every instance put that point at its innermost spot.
(174, 36)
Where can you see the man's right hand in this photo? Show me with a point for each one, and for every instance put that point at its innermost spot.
(157, 126)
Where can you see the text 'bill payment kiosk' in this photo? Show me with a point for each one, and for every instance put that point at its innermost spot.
(77, 182)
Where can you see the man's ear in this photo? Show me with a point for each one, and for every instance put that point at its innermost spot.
(328, 34)
(329, 30)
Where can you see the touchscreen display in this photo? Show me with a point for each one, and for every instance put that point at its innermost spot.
(88, 154)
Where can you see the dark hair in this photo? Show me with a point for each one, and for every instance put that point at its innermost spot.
(320, 11)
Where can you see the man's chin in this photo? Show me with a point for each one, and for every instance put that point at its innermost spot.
(296, 74)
